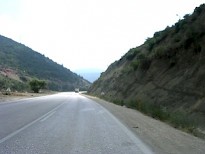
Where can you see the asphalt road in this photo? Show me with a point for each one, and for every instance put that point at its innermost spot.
(65, 123)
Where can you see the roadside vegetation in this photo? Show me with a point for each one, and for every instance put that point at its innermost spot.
(6, 83)
(178, 119)
(37, 85)
(170, 43)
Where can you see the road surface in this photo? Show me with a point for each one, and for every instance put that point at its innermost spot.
(65, 123)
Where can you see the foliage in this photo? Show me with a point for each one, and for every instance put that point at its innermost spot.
(118, 102)
(127, 70)
(135, 64)
(199, 10)
(131, 54)
(152, 110)
(150, 42)
(178, 119)
(145, 63)
(14, 85)
(159, 52)
(36, 85)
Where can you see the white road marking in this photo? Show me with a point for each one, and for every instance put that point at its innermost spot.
(143, 147)
(48, 116)
(31, 123)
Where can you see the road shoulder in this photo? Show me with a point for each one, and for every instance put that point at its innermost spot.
(13, 96)
(161, 137)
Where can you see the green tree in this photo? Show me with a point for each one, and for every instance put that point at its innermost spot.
(36, 85)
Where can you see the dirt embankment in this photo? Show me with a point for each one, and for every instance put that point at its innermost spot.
(162, 138)
(164, 75)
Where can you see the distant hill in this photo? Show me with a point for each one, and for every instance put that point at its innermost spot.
(89, 74)
(167, 72)
(20, 64)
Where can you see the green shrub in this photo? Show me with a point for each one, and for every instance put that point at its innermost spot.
(141, 56)
(36, 85)
(150, 42)
(177, 38)
(135, 64)
(180, 119)
(23, 78)
(199, 10)
(139, 105)
(159, 36)
(131, 104)
(145, 63)
(131, 54)
(127, 70)
(159, 113)
(159, 52)
(118, 102)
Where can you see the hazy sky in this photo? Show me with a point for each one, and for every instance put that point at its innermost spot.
(85, 34)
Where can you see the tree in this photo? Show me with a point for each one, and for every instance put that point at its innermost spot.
(36, 85)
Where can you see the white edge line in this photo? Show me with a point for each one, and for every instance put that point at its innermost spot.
(143, 147)
(28, 125)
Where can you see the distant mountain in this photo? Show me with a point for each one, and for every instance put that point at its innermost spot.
(165, 76)
(89, 74)
(20, 64)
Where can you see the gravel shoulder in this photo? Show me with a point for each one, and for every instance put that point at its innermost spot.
(162, 138)
(17, 96)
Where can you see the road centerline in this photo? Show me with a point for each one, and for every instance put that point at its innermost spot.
(48, 116)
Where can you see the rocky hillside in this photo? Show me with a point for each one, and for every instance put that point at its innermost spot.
(20, 64)
(167, 71)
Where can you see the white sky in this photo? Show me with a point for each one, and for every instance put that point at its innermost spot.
(88, 34)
